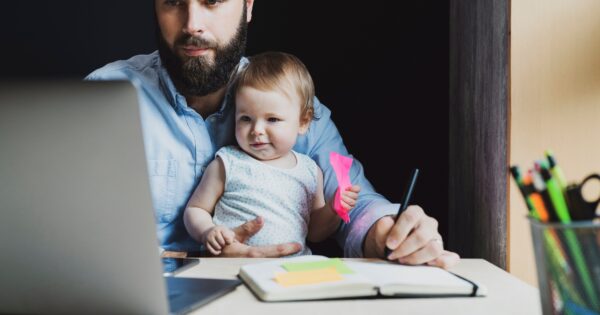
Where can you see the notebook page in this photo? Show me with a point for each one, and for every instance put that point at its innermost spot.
(419, 276)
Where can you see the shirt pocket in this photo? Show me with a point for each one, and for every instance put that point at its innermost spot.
(163, 183)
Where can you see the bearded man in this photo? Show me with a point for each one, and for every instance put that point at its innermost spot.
(187, 115)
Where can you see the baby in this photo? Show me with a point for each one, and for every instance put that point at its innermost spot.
(262, 175)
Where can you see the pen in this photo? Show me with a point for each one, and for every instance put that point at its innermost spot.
(405, 200)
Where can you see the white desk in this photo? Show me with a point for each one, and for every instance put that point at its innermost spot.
(506, 295)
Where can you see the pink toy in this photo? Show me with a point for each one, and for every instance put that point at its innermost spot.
(341, 166)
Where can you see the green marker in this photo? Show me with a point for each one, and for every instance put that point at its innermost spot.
(556, 171)
(556, 195)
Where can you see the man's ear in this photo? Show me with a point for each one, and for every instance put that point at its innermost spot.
(249, 5)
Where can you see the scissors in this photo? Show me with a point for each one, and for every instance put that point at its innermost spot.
(584, 198)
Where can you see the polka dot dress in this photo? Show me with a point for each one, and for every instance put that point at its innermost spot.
(283, 197)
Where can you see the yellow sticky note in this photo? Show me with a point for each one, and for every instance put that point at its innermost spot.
(319, 264)
(288, 279)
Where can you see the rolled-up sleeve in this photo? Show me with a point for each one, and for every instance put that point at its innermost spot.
(322, 139)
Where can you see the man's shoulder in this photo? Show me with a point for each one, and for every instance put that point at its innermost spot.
(126, 69)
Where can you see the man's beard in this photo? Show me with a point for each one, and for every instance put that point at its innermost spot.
(197, 75)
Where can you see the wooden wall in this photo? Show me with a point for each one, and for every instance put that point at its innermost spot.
(479, 87)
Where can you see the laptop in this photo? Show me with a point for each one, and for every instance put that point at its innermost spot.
(77, 230)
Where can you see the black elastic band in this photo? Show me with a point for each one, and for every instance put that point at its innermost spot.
(475, 287)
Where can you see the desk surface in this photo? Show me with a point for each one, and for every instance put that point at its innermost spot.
(506, 295)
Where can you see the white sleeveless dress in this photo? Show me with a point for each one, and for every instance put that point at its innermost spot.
(283, 197)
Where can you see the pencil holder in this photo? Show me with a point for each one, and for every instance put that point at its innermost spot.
(568, 266)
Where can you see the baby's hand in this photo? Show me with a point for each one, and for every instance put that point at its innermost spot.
(217, 238)
(349, 197)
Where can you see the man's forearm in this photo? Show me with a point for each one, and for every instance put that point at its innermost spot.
(372, 246)
(366, 213)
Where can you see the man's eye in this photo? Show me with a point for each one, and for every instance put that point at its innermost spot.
(274, 119)
(173, 3)
(213, 2)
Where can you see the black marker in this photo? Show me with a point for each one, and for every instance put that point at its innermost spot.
(405, 200)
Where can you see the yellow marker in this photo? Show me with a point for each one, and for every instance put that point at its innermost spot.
(288, 279)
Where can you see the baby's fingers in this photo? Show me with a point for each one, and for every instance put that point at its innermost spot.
(212, 250)
(354, 188)
(229, 236)
(352, 193)
(349, 195)
(349, 200)
(215, 244)
(220, 239)
(348, 203)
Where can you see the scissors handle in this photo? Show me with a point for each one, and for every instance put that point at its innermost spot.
(585, 181)
(580, 207)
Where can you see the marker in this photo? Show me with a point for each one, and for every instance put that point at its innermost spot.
(556, 194)
(556, 171)
(536, 200)
(540, 188)
(405, 200)
(516, 173)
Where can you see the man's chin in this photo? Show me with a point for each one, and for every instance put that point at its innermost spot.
(206, 60)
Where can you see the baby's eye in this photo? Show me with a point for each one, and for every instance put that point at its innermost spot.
(274, 119)
(244, 118)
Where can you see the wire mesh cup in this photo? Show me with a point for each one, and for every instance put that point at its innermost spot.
(568, 266)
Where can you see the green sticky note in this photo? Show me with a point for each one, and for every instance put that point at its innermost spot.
(320, 264)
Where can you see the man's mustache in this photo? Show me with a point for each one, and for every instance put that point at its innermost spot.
(199, 42)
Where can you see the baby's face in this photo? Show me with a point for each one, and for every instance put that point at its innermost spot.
(267, 123)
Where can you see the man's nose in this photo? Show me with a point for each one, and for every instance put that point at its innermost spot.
(196, 18)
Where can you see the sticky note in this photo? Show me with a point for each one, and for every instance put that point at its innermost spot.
(288, 279)
(336, 263)
(341, 166)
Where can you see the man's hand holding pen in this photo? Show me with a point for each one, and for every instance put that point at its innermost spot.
(409, 238)
(412, 238)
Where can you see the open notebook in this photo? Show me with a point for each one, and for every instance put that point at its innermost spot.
(318, 277)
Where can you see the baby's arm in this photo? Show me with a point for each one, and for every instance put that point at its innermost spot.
(323, 219)
(198, 212)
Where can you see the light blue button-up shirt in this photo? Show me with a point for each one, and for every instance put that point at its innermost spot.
(180, 143)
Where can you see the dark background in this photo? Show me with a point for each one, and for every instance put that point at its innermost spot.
(382, 67)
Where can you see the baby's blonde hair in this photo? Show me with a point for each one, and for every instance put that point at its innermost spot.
(283, 72)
